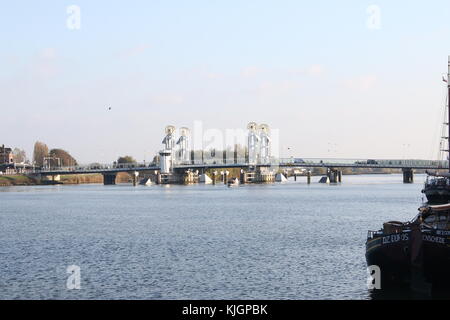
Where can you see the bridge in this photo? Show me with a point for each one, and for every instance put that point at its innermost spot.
(334, 167)
(179, 162)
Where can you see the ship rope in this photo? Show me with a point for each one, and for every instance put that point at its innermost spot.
(440, 139)
(444, 141)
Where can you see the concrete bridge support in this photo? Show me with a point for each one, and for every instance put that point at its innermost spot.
(158, 178)
(135, 176)
(334, 175)
(242, 176)
(248, 177)
(308, 177)
(52, 178)
(225, 176)
(109, 178)
(408, 175)
(189, 177)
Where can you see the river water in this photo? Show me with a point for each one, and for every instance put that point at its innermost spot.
(276, 241)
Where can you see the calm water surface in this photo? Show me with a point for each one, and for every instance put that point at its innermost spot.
(276, 241)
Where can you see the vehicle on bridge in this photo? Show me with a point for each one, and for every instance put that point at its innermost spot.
(370, 161)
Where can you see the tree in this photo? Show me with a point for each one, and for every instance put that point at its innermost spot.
(155, 160)
(39, 153)
(65, 159)
(126, 159)
(19, 155)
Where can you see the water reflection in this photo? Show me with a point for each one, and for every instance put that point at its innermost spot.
(275, 241)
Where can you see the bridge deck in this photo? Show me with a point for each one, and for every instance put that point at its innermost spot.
(285, 163)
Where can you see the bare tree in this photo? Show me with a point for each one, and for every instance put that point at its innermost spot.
(39, 153)
(19, 155)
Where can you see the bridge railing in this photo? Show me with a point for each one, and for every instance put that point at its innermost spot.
(301, 162)
(96, 167)
(212, 161)
(367, 162)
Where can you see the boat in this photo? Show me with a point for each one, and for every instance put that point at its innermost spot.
(437, 184)
(437, 187)
(146, 182)
(418, 249)
(204, 178)
(417, 253)
(279, 177)
(233, 182)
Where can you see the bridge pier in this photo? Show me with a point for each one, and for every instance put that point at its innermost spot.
(335, 176)
(109, 178)
(225, 176)
(332, 176)
(52, 178)
(135, 176)
(308, 176)
(408, 175)
(189, 177)
(214, 177)
(158, 178)
(247, 176)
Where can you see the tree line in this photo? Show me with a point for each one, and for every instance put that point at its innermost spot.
(53, 157)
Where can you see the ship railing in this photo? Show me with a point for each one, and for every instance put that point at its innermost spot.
(371, 234)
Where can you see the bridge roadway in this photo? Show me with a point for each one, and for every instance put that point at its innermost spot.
(284, 163)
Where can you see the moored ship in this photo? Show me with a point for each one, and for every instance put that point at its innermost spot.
(418, 249)
(437, 185)
(437, 188)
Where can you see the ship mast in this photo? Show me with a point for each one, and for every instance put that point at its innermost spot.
(448, 110)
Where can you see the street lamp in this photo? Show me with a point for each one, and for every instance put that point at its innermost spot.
(290, 155)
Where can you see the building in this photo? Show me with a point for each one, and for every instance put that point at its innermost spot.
(6, 155)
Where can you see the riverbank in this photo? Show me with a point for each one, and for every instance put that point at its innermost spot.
(17, 180)
(122, 177)
(23, 180)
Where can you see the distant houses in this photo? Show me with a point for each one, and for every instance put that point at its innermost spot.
(7, 164)
(6, 155)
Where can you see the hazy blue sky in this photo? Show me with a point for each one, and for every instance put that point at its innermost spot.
(315, 70)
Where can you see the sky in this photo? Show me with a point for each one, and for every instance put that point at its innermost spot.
(339, 79)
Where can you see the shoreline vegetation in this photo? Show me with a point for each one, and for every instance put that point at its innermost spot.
(24, 180)
(123, 177)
